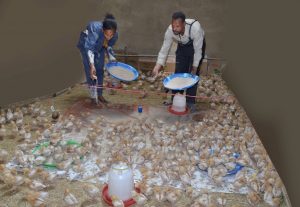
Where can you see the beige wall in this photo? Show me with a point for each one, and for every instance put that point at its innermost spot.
(263, 71)
(38, 38)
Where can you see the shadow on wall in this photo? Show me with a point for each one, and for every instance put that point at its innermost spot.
(38, 38)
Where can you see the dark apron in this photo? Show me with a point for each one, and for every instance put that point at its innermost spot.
(184, 64)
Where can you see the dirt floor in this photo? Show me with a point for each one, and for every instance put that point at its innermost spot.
(64, 103)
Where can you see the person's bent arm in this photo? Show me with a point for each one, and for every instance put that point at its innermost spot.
(198, 34)
(92, 65)
(109, 49)
(163, 53)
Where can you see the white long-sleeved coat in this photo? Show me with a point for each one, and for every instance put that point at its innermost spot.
(197, 35)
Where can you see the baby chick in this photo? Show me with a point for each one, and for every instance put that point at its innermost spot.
(36, 199)
(159, 194)
(3, 156)
(139, 198)
(173, 195)
(92, 191)
(37, 185)
(69, 198)
(253, 198)
(117, 202)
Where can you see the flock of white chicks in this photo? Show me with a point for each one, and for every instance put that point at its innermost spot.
(158, 149)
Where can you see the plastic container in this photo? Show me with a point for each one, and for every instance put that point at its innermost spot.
(140, 108)
(108, 200)
(120, 181)
(179, 103)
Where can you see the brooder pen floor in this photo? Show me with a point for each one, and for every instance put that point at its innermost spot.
(122, 109)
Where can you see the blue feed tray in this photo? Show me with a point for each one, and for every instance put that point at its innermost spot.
(181, 75)
(125, 67)
(237, 168)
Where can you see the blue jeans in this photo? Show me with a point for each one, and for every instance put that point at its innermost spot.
(99, 65)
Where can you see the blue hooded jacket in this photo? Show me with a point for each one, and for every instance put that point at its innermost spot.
(94, 38)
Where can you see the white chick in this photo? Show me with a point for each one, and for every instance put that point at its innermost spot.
(69, 198)
(117, 202)
(92, 191)
(139, 198)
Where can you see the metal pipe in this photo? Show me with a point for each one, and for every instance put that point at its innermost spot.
(144, 55)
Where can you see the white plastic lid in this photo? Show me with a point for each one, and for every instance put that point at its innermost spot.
(120, 166)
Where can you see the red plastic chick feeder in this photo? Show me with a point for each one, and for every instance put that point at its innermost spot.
(110, 85)
(177, 112)
(108, 200)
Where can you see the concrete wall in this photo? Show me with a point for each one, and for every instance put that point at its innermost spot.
(263, 71)
(143, 23)
(38, 37)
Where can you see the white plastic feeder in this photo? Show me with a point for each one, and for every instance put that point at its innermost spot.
(120, 181)
(179, 103)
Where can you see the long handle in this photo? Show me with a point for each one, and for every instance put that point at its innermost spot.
(95, 92)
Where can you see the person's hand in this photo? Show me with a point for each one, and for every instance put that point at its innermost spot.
(93, 72)
(112, 59)
(156, 70)
(111, 55)
(194, 70)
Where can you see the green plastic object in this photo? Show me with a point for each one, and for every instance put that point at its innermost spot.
(50, 165)
(46, 144)
(39, 146)
(73, 142)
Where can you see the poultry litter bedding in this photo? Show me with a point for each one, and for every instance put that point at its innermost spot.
(133, 142)
(161, 151)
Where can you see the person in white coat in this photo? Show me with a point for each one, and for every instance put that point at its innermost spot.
(190, 39)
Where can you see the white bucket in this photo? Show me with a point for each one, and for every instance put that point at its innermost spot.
(120, 181)
(179, 103)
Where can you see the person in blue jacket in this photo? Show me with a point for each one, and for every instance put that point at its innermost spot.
(95, 41)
